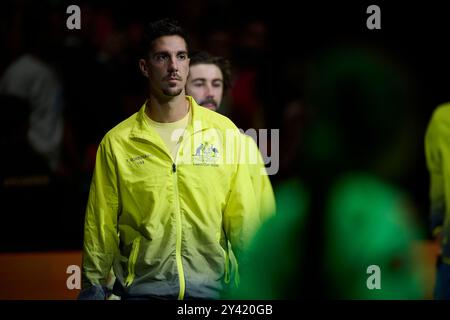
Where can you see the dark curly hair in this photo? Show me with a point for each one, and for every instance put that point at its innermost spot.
(160, 28)
(202, 57)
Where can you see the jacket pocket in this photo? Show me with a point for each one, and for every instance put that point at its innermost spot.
(132, 261)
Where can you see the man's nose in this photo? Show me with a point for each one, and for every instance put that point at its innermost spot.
(209, 91)
(173, 64)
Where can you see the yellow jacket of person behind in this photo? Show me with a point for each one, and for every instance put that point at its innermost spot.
(437, 152)
(164, 224)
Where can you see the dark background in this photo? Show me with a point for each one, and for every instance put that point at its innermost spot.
(295, 67)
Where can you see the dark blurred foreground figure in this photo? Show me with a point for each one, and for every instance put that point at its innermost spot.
(343, 215)
(369, 224)
(366, 223)
(437, 152)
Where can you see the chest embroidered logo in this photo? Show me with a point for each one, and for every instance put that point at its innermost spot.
(206, 154)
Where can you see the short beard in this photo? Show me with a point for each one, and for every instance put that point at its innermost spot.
(171, 94)
(206, 101)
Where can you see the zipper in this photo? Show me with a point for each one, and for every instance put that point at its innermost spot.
(132, 261)
(227, 266)
(179, 262)
(179, 230)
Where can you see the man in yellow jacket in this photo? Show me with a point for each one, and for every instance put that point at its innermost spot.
(170, 190)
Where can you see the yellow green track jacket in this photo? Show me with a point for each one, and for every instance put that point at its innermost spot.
(165, 224)
(437, 152)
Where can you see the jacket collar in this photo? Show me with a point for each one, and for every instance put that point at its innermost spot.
(198, 122)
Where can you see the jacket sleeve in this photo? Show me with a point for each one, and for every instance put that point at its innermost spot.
(260, 181)
(100, 230)
(241, 215)
(433, 139)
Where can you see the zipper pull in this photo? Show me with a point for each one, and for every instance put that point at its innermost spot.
(174, 167)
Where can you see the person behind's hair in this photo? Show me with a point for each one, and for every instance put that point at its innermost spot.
(202, 57)
(160, 28)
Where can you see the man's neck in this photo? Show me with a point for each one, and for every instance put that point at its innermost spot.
(165, 111)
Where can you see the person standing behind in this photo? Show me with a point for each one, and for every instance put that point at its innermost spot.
(437, 153)
(169, 192)
(209, 79)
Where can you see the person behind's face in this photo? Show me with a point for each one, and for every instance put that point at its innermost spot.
(209, 78)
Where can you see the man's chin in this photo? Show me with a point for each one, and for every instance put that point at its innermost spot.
(172, 93)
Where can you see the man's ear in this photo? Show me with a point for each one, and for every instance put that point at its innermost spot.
(143, 67)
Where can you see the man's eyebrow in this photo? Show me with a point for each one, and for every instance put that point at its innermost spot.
(204, 79)
(199, 79)
(160, 51)
(168, 52)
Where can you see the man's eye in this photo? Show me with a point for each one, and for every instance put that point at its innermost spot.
(182, 56)
(160, 58)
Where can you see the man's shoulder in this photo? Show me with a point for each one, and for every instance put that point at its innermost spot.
(121, 130)
(442, 113)
(249, 140)
(215, 119)
(439, 124)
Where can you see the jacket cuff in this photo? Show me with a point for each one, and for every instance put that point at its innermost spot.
(95, 292)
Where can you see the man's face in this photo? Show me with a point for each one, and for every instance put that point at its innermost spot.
(205, 85)
(168, 66)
